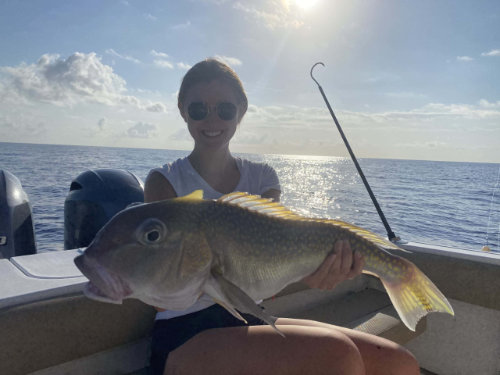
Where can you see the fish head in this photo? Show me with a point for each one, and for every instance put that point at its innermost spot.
(154, 252)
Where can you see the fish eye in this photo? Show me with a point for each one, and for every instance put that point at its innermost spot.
(151, 232)
(153, 236)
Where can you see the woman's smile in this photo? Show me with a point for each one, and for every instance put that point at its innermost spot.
(211, 133)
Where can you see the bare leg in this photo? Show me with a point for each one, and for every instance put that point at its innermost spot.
(380, 356)
(260, 350)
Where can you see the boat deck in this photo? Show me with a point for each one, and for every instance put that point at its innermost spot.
(48, 327)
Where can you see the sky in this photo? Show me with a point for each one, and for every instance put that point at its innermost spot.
(406, 79)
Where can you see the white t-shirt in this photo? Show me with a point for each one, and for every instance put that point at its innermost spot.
(255, 178)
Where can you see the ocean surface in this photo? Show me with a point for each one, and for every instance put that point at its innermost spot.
(443, 203)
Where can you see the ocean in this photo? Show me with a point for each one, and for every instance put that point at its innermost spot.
(451, 204)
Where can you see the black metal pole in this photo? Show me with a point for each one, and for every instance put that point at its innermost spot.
(390, 233)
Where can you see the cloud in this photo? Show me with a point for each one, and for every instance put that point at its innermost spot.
(486, 104)
(59, 81)
(112, 52)
(150, 17)
(181, 26)
(142, 130)
(216, 2)
(81, 78)
(433, 131)
(231, 61)
(161, 60)
(158, 54)
(465, 58)
(163, 64)
(432, 115)
(181, 135)
(493, 52)
(7, 126)
(383, 77)
(36, 129)
(183, 66)
(273, 14)
(156, 107)
(102, 124)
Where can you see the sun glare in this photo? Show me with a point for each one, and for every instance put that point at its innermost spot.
(305, 4)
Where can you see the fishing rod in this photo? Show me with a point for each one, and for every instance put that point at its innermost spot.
(392, 237)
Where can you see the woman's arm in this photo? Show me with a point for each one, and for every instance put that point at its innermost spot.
(158, 188)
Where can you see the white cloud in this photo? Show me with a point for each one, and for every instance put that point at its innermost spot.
(435, 131)
(161, 60)
(102, 124)
(112, 52)
(142, 130)
(81, 78)
(493, 52)
(465, 58)
(59, 81)
(486, 104)
(183, 66)
(272, 13)
(158, 54)
(163, 64)
(181, 26)
(432, 115)
(231, 61)
(156, 107)
(150, 17)
(216, 2)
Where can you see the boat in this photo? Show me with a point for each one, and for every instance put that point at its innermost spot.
(49, 327)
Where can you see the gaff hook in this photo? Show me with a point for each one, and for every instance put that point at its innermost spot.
(314, 79)
(390, 233)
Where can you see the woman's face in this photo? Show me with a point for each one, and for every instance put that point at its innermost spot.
(208, 102)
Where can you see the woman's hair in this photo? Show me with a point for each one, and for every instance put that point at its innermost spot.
(207, 71)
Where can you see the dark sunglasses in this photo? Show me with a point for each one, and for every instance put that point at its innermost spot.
(199, 110)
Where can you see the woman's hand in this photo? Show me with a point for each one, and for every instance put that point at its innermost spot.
(340, 265)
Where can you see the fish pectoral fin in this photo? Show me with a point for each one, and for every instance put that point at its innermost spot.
(231, 297)
(231, 309)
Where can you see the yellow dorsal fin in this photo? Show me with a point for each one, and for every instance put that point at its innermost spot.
(375, 238)
(196, 195)
(259, 204)
(268, 207)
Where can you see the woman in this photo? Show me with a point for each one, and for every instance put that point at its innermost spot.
(206, 339)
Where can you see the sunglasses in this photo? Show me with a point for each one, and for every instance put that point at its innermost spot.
(199, 110)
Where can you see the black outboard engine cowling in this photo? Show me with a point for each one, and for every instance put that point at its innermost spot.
(95, 196)
(17, 235)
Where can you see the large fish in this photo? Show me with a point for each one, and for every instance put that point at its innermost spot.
(238, 249)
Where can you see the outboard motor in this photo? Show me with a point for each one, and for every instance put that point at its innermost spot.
(95, 196)
(17, 235)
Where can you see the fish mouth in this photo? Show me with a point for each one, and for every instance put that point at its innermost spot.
(103, 285)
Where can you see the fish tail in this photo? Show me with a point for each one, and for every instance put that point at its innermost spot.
(415, 296)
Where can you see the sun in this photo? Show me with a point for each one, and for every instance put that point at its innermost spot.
(305, 4)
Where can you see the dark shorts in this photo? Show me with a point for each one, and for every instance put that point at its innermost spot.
(169, 334)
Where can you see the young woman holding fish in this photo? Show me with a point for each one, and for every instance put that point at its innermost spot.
(208, 339)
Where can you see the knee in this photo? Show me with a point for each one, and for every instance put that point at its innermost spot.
(342, 355)
(402, 361)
